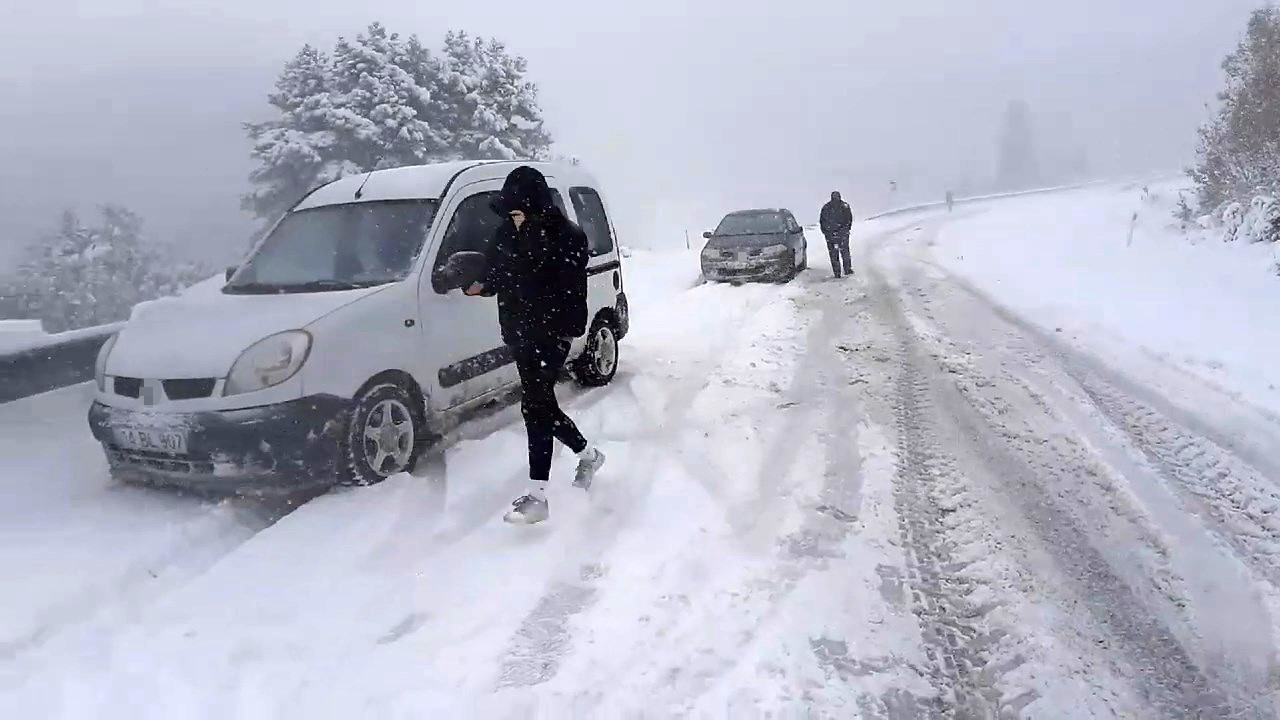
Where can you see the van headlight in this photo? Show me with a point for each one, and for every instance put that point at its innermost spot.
(269, 362)
(100, 365)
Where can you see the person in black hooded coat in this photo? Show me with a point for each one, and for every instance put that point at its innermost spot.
(537, 268)
(836, 222)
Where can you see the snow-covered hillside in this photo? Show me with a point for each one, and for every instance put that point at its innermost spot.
(1068, 262)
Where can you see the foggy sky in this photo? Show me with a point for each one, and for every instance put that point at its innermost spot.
(685, 109)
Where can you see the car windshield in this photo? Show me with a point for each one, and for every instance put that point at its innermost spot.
(338, 247)
(752, 224)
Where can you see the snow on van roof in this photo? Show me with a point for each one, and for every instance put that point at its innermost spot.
(417, 182)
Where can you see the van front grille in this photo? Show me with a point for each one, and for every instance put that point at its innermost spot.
(128, 386)
(175, 389)
(189, 388)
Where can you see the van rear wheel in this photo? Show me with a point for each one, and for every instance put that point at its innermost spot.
(598, 363)
(382, 437)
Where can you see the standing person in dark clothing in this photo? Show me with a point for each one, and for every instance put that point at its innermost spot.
(537, 266)
(951, 201)
(836, 221)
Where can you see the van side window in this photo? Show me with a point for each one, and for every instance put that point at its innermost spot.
(594, 221)
(471, 227)
(558, 199)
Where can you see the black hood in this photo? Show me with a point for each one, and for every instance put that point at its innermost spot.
(525, 189)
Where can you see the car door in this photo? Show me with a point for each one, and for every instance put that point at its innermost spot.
(604, 278)
(461, 331)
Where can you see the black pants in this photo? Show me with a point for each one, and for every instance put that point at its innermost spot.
(539, 365)
(838, 247)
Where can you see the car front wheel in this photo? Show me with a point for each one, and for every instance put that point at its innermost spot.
(382, 436)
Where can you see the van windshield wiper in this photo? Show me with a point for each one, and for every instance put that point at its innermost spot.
(326, 285)
(329, 285)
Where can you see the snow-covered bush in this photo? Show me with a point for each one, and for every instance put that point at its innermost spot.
(82, 275)
(382, 100)
(1260, 222)
(1232, 217)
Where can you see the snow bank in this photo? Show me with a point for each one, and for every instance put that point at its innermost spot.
(19, 333)
(1115, 260)
(31, 341)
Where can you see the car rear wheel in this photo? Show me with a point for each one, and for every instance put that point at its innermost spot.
(382, 437)
(598, 363)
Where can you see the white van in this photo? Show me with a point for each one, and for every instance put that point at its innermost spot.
(337, 351)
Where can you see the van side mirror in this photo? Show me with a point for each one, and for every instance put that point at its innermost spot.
(231, 270)
(461, 270)
(707, 235)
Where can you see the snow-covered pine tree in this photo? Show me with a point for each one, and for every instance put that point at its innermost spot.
(380, 103)
(493, 110)
(83, 275)
(1239, 153)
(297, 150)
(384, 101)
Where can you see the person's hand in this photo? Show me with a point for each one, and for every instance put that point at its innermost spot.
(474, 290)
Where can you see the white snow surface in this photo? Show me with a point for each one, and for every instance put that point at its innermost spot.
(1066, 262)
(869, 498)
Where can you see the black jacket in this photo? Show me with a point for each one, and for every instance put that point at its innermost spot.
(836, 219)
(538, 272)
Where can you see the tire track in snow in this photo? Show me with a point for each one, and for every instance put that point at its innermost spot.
(1210, 477)
(1243, 505)
(954, 644)
(544, 638)
(1166, 676)
(819, 385)
(201, 542)
(814, 388)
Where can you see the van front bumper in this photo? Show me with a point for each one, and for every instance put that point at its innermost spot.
(284, 446)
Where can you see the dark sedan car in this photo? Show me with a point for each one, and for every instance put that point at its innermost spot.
(755, 245)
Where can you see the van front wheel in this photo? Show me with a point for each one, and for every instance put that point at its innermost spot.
(598, 362)
(382, 436)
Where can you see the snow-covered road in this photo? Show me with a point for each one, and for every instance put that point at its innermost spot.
(883, 497)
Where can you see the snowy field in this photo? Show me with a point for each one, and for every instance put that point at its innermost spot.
(904, 495)
(1067, 261)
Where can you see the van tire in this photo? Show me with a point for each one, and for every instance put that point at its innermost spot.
(598, 363)
(382, 405)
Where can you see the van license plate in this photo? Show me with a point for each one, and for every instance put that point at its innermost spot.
(152, 440)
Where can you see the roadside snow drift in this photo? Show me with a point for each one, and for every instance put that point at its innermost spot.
(1079, 262)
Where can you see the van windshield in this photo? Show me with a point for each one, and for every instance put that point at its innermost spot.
(338, 247)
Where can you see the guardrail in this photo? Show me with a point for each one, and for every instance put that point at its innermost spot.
(982, 198)
(55, 362)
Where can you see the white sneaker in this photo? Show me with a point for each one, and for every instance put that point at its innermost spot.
(589, 462)
(527, 510)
